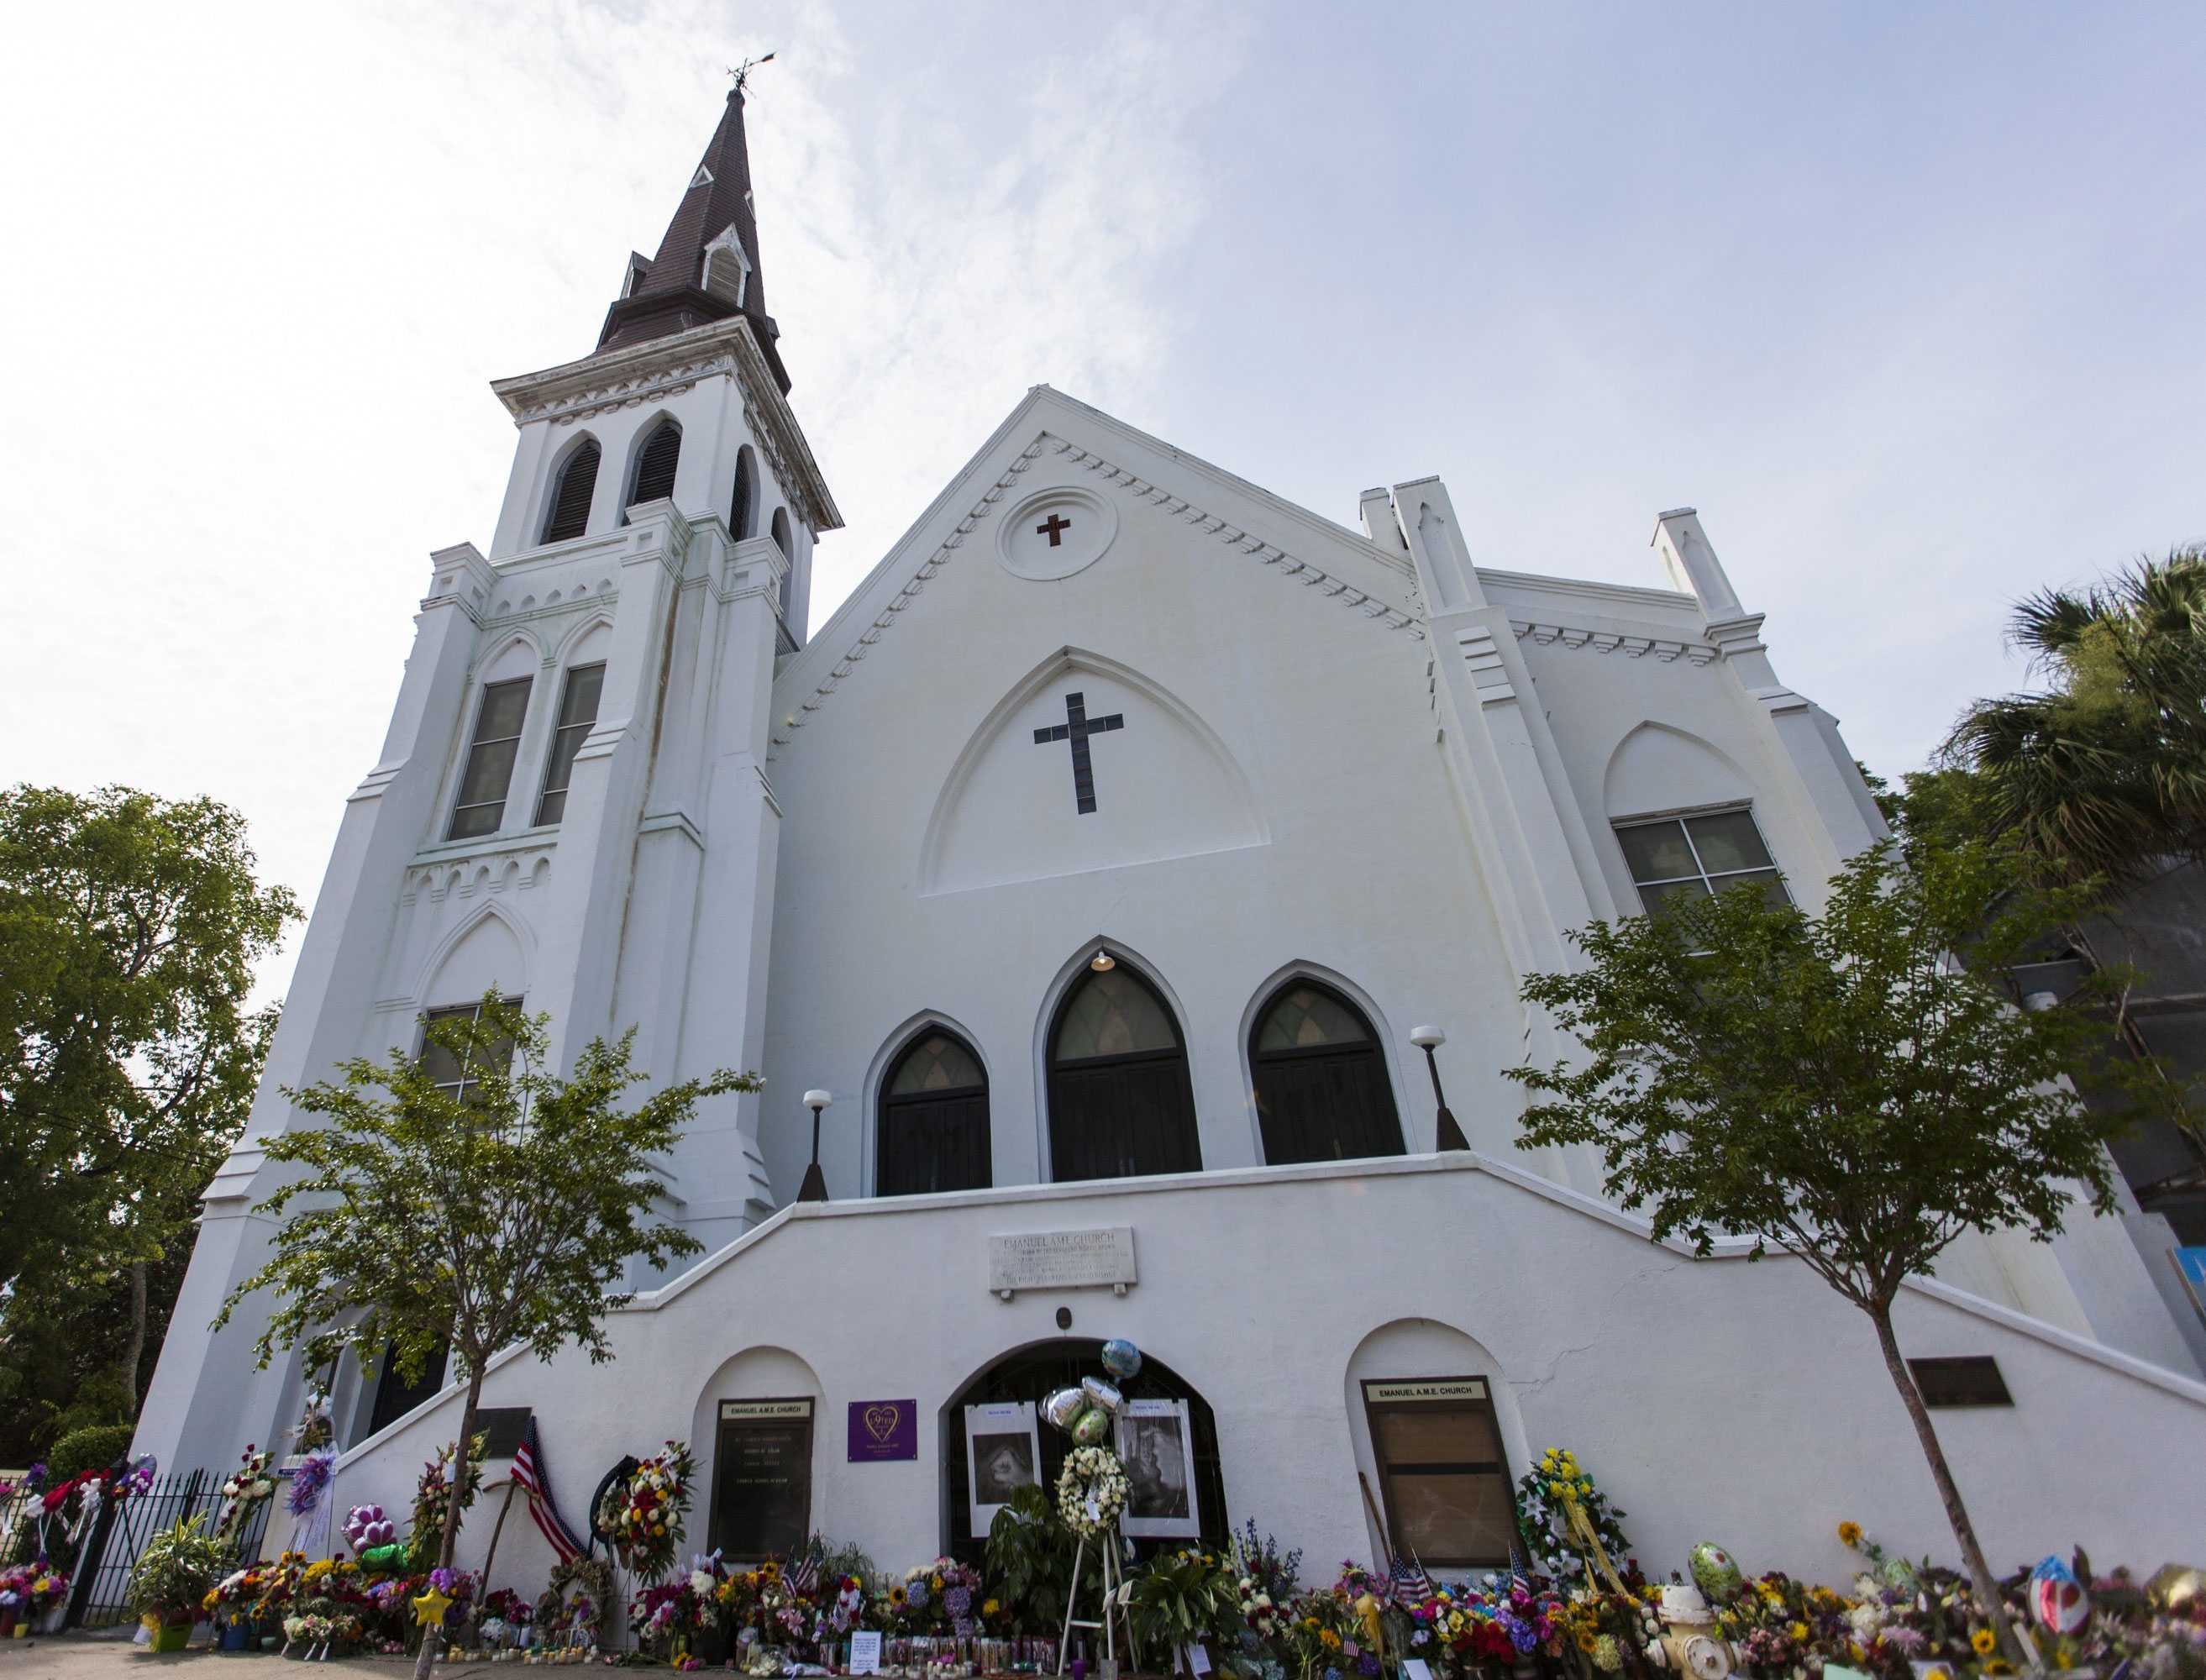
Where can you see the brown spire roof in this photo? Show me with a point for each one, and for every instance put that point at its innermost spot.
(675, 291)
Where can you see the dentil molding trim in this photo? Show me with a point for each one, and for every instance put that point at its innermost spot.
(1285, 565)
(1660, 648)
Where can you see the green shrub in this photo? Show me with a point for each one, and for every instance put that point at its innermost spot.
(92, 1448)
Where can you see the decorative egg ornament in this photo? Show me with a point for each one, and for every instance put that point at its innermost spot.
(1122, 1359)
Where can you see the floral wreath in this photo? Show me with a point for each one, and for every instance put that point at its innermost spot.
(1569, 1524)
(1091, 1490)
(643, 1514)
(583, 1613)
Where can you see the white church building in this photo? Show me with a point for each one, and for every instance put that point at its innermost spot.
(1105, 858)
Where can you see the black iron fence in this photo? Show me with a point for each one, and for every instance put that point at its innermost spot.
(99, 1558)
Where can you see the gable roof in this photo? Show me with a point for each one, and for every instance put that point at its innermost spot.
(1329, 559)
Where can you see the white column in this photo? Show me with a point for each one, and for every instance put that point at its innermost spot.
(578, 957)
(1806, 737)
(724, 1020)
(206, 1401)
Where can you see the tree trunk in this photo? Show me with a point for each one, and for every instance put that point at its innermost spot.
(426, 1662)
(1972, 1554)
(134, 1350)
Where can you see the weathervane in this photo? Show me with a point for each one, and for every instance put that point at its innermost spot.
(742, 72)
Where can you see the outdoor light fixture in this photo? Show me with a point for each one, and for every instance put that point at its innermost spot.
(1449, 1135)
(1102, 962)
(815, 1182)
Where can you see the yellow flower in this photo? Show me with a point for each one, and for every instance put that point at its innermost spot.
(1330, 1640)
(1983, 1641)
(990, 1608)
(1849, 1533)
(1554, 1490)
(1585, 1642)
(1999, 1665)
(1799, 1632)
(1941, 1672)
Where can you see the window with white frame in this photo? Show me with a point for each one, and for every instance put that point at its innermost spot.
(461, 1075)
(1697, 854)
(481, 803)
(578, 715)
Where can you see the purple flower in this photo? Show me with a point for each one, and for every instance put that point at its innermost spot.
(958, 1602)
(441, 1579)
(1367, 1664)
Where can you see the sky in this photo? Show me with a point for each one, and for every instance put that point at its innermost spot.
(1904, 298)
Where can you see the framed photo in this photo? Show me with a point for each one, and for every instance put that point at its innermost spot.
(1157, 1446)
(1002, 1452)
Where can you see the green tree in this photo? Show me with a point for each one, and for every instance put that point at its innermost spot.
(506, 1215)
(2105, 774)
(1837, 1086)
(128, 928)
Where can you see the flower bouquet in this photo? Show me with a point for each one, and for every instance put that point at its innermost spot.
(643, 1514)
(432, 1496)
(243, 1492)
(29, 1592)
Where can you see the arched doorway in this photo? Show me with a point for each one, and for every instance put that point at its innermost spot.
(932, 1129)
(1120, 1102)
(1322, 1092)
(1031, 1374)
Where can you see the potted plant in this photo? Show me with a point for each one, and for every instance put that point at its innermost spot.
(171, 1579)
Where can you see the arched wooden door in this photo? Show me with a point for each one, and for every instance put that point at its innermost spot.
(1120, 1102)
(1322, 1092)
(933, 1122)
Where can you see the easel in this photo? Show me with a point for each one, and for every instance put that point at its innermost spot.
(1113, 1588)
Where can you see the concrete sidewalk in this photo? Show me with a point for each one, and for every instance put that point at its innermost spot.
(76, 1657)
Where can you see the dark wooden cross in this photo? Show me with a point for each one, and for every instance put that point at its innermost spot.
(1055, 528)
(1077, 728)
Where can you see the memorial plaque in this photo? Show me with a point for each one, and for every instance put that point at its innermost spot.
(762, 1479)
(883, 1429)
(1062, 1260)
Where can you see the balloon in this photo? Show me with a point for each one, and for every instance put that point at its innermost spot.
(1101, 1395)
(2057, 1598)
(1122, 1359)
(383, 1559)
(2174, 1585)
(1714, 1573)
(1064, 1408)
(1092, 1429)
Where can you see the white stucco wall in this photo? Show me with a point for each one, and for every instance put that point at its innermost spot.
(1724, 1399)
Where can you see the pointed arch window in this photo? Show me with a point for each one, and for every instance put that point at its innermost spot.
(743, 513)
(655, 463)
(1120, 1102)
(934, 1121)
(781, 540)
(1322, 1093)
(569, 515)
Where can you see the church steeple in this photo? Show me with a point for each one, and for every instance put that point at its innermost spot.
(707, 266)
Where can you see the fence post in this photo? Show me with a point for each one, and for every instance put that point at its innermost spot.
(88, 1560)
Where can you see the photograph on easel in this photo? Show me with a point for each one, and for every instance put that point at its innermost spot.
(1156, 1443)
(1003, 1453)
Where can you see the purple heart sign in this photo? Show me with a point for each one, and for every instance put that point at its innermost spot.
(882, 1429)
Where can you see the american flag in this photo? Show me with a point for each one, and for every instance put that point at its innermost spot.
(804, 1575)
(1410, 1580)
(534, 1476)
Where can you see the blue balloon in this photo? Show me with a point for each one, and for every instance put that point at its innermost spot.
(1121, 1358)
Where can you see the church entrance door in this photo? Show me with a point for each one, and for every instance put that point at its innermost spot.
(1120, 1102)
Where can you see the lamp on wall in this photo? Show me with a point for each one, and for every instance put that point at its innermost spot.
(1102, 962)
(814, 1188)
(1448, 1134)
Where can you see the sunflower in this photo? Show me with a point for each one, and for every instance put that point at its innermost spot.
(1850, 1535)
(1585, 1642)
(1983, 1641)
(896, 1598)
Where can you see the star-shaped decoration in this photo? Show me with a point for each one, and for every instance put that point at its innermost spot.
(429, 1609)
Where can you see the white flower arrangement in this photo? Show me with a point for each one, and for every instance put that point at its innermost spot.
(1091, 1490)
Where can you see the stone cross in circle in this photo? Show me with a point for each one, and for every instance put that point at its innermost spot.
(1077, 728)
(1055, 528)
